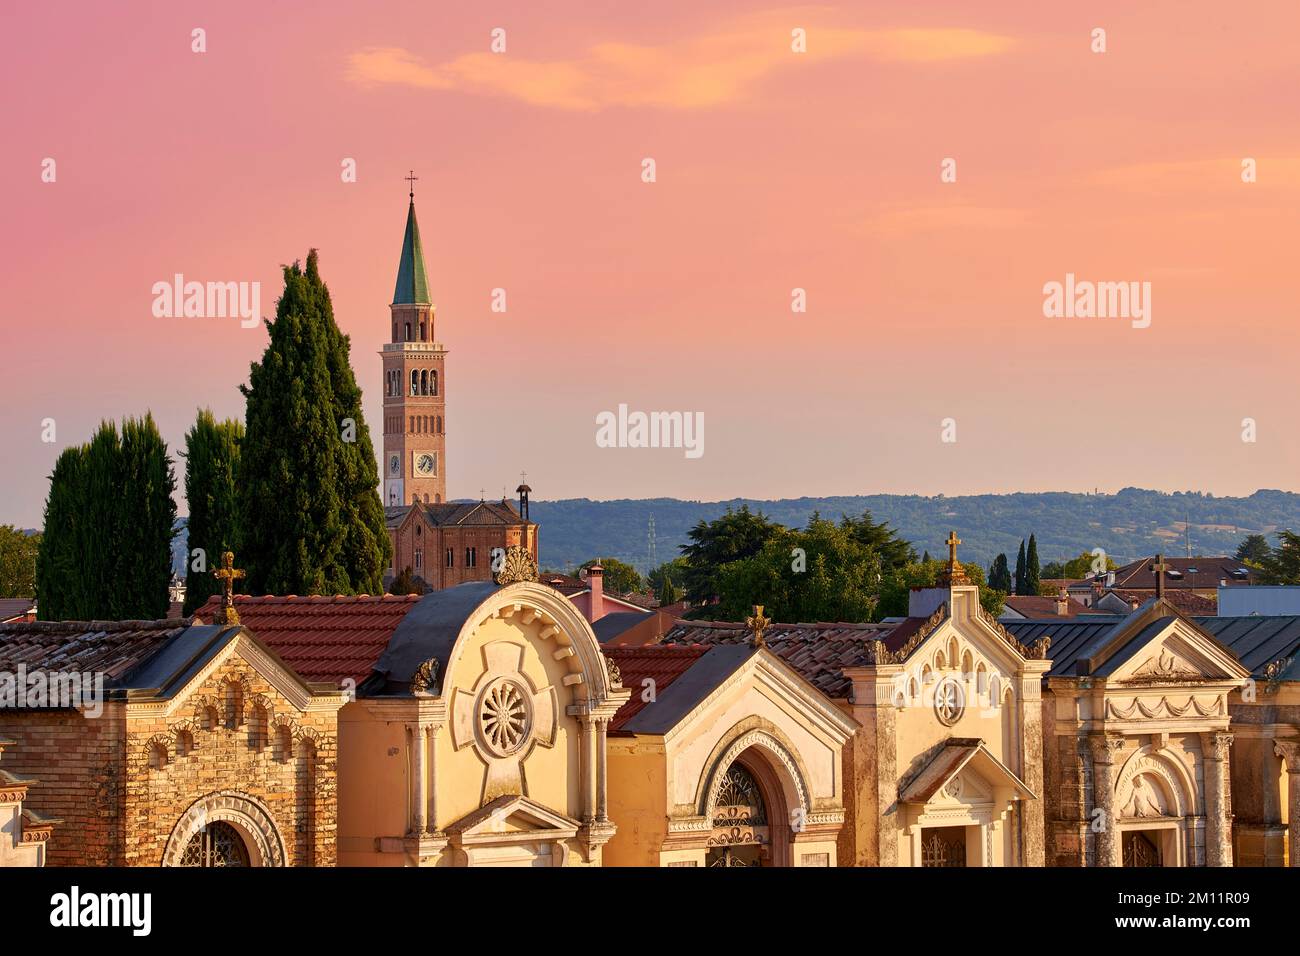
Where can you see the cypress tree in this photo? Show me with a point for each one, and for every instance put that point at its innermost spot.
(1000, 574)
(211, 467)
(1032, 570)
(310, 517)
(61, 591)
(147, 516)
(109, 520)
(1020, 569)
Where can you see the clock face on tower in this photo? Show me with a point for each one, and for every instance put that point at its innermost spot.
(425, 463)
(394, 465)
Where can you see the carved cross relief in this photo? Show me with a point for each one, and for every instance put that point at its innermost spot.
(503, 716)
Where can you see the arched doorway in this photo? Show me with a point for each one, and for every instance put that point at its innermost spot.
(225, 828)
(216, 845)
(742, 834)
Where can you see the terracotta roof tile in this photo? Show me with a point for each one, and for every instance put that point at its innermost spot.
(819, 652)
(661, 663)
(111, 648)
(328, 639)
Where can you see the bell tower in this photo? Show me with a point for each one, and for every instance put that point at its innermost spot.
(415, 385)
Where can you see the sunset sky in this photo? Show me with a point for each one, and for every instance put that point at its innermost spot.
(775, 170)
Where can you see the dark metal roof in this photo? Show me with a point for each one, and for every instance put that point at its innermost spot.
(703, 677)
(429, 630)
(1257, 641)
(612, 625)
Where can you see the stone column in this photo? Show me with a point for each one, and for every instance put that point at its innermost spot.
(1103, 749)
(1289, 751)
(1218, 836)
(431, 815)
(602, 728)
(419, 800)
(586, 766)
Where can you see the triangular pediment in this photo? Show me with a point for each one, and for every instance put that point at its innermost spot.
(1172, 651)
(962, 772)
(507, 818)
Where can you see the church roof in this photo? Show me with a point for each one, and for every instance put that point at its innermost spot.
(412, 279)
(818, 652)
(328, 639)
(150, 660)
(469, 514)
(663, 664)
(428, 630)
(112, 648)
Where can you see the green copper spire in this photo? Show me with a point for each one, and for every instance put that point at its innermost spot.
(412, 279)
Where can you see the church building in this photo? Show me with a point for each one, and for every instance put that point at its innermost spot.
(444, 543)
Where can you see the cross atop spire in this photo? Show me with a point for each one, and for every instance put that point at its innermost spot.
(952, 543)
(1159, 568)
(412, 277)
(227, 574)
(412, 179)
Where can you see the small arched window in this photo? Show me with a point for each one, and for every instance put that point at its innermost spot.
(157, 755)
(408, 331)
(415, 382)
(234, 705)
(259, 727)
(433, 382)
(423, 333)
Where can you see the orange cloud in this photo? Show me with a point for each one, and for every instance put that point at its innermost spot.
(692, 73)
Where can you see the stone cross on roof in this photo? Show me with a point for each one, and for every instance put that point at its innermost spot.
(227, 574)
(1159, 568)
(412, 179)
(954, 573)
(757, 625)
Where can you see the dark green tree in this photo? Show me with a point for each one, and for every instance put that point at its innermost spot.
(1020, 569)
(1282, 566)
(18, 551)
(673, 571)
(618, 577)
(148, 522)
(109, 521)
(1000, 575)
(211, 472)
(897, 587)
(1253, 550)
(1033, 570)
(732, 537)
(668, 593)
(62, 591)
(822, 573)
(405, 583)
(894, 551)
(310, 517)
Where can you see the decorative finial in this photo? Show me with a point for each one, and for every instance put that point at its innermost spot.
(1159, 568)
(227, 574)
(517, 565)
(954, 573)
(757, 625)
(412, 179)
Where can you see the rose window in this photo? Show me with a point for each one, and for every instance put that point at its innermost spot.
(504, 717)
(949, 701)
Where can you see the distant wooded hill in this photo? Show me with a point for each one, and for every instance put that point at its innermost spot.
(1130, 524)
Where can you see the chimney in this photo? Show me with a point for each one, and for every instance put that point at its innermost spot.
(1062, 603)
(596, 581)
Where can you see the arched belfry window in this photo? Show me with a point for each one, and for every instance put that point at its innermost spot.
(424, 383)
(415, 382)
(433, 382)
(424, 336)
(408, 331)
